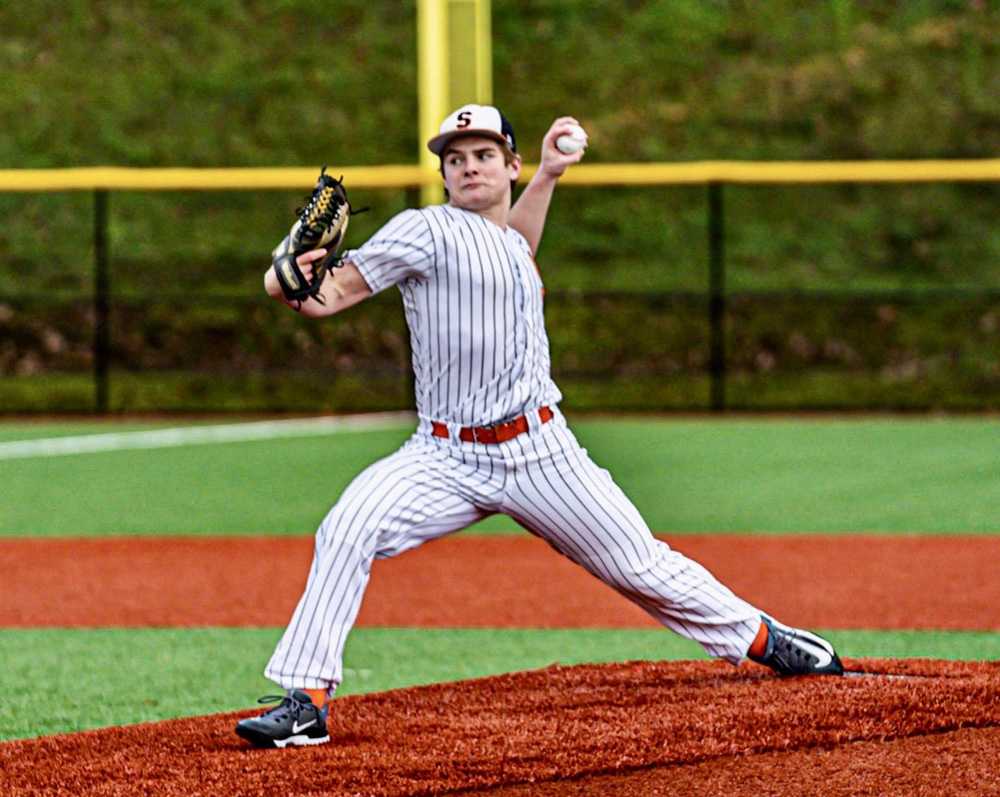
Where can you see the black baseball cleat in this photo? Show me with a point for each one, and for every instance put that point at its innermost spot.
(791, 651)
(296, 721)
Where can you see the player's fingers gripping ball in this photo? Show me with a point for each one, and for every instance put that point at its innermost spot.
(572, 141)
(321, 224)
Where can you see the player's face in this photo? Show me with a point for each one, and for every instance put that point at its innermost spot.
(477, 175)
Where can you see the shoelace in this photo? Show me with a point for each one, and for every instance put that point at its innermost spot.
(321, 207)
(287, 702)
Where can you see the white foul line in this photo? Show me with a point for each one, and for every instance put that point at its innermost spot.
(200, 435)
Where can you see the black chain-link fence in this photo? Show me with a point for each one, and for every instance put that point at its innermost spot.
(611, 351)
(127, 334)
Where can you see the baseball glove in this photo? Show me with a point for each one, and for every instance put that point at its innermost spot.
(321, 224)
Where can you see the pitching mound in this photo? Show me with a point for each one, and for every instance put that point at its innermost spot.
(913, 727)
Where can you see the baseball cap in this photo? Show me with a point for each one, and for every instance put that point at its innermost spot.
(474, 120)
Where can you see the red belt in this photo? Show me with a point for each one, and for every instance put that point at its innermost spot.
(500, 433)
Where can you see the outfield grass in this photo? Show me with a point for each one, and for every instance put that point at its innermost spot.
(700, 475)
(57, 680)
(932, 475)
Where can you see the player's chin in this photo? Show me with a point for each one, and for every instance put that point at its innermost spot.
(474, 199)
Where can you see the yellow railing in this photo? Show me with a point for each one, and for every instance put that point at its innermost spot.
(116, 178)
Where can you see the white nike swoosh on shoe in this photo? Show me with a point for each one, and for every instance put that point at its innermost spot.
(296, 727)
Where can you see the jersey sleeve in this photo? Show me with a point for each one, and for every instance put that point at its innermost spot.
(400, 250)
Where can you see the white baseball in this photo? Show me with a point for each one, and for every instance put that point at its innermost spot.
(573, 141)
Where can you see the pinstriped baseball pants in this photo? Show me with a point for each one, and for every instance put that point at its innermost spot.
(543, 479)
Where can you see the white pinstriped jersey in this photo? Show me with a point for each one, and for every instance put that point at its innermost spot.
(473, 301)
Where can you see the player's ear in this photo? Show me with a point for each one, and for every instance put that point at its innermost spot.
(444, 181)
(514, 167)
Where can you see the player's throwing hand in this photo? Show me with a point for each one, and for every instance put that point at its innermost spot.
(555, 161)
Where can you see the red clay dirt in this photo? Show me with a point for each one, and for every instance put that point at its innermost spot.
(669, 728)
(823, 582)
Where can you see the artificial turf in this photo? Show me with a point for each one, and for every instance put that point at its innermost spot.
(62, 680)
(701, 475)
(878, 475)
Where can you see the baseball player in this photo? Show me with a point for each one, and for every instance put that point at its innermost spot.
(490, 438)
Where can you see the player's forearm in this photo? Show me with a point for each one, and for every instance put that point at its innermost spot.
(529, 212)
(342, 287)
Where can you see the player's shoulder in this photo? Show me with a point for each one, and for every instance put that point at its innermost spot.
(435, 218)
(447, 217)
(433, 221)
(441, 216)
(406, 224)
(408, 216)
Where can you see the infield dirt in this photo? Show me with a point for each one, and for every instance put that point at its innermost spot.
(671, 728)
(641, 728)
(820, 581)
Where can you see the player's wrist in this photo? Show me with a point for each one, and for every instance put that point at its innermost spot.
(547, 176)
(548, 172)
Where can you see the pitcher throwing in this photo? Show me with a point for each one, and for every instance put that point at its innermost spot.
(490, 439)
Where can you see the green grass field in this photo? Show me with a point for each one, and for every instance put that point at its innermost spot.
(59, 680)
(763, 476)
(878, 475)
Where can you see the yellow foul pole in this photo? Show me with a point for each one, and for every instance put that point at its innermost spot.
(455, 67)
(470, 66)
(432, 77)
(484, 51)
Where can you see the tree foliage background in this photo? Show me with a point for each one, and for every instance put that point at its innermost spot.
(300, 82)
